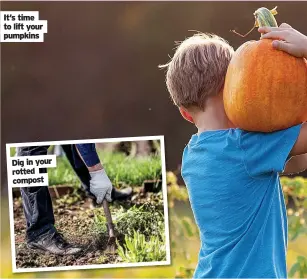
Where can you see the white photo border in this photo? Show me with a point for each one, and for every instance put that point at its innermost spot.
(95, 266)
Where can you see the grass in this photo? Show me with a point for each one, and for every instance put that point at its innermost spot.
(145, 219)
(62, 174)
(130, 170)
(142, 231)
(137, 249)
(121, 169)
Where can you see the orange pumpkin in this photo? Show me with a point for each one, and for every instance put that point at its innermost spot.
(265, 89)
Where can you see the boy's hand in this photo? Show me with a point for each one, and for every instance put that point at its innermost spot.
(100, 186)
(286, 39)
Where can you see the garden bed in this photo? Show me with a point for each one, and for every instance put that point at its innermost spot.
(81, 223)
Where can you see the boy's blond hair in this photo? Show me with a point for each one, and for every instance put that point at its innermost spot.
(198, 69)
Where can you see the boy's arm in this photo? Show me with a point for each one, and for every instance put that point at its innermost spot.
(300, 147)
(296, 164)
(265, 153)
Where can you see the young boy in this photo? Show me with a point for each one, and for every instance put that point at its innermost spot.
(232, 175)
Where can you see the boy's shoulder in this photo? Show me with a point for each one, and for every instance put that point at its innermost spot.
(245, 140)
(214, 136)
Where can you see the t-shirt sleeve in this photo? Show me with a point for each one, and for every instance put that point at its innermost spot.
(265, 153)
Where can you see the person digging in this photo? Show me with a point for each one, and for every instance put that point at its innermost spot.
(41, 234)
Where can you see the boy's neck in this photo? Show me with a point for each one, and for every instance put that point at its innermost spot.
(213, 117)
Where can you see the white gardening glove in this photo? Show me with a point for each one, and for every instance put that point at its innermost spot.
(100, 186)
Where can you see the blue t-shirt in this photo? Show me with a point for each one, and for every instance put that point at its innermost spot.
(232, 177)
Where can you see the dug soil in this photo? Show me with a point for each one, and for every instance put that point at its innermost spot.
(74, 218)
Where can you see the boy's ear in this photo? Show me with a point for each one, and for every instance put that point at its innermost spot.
(186, 115)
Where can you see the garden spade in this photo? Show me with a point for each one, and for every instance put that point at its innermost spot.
(111, 244)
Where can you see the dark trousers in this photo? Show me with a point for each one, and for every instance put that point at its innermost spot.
(37, 202)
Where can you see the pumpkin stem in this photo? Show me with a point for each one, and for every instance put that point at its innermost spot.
(243, 36)
(263, 17)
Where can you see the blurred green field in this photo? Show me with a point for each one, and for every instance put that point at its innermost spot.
(121, 169)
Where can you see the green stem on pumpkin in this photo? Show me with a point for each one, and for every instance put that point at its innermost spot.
(263, 17)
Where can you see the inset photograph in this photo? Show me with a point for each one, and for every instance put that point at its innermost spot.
(105, 205)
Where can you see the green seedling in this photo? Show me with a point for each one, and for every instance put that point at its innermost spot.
(137, 249)
(143, 219)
